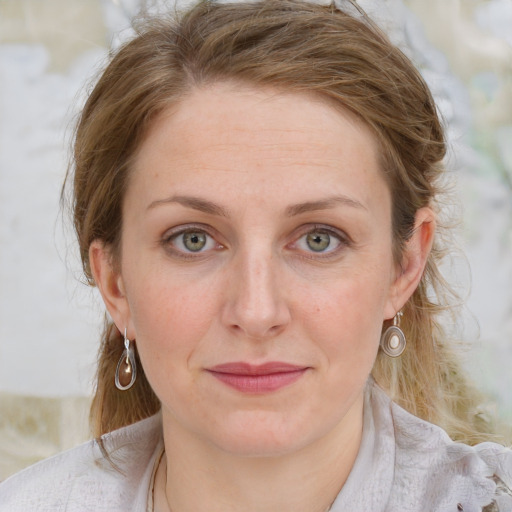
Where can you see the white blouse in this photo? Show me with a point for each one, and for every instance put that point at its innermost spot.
(404, 464)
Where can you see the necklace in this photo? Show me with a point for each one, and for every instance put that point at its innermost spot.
(159, 472)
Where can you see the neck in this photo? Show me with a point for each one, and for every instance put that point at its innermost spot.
(194, 476)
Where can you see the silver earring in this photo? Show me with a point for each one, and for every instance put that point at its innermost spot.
(126, 371)
(392, 341)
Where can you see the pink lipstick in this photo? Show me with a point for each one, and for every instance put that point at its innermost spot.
(263, 378)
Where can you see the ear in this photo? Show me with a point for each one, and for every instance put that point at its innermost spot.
(415, 255)
(110, 284)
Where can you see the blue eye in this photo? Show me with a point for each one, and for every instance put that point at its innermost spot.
(192, 241)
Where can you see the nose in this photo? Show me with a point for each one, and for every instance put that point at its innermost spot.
(256, 305)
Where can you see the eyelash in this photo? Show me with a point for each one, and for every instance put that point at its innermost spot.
(342, 239)
(174, 235)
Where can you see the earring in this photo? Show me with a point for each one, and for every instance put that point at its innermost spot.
(392, 341)
(126, 371)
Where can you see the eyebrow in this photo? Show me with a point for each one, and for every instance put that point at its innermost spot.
(211, 208)
(324, 204)
(195, 203)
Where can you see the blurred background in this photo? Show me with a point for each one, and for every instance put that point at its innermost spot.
(50, 52)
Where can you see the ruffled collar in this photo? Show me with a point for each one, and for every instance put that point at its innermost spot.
(407, 464)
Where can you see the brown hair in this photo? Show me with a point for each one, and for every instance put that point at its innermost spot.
(294, 46)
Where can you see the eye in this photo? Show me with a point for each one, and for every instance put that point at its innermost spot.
(192, 241)
(320, 240)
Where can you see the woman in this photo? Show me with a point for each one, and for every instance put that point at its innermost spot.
(255, 197)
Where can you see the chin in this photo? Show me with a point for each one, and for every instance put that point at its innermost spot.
(260, 436)
(261, 445)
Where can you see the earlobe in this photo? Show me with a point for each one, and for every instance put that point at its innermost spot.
(415, 256)
(110, 283)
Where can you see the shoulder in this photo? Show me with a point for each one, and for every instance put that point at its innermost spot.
(446, 474)
(82, 479)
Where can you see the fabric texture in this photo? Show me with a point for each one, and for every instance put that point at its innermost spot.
(407, 464)
(83, 480)
(404, 464)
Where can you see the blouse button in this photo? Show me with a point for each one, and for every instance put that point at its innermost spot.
(460, 507)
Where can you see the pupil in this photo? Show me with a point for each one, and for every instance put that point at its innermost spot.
(318, 241)
(194, 241)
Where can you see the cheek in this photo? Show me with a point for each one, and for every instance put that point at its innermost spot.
(348, 314)
(170, 327)
(170, 316)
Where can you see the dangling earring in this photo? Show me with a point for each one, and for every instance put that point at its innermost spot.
(126, 371)
(392, 341)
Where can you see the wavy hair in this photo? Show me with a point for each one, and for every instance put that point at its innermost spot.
(293, 46)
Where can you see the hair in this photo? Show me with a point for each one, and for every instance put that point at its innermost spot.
(293, 46)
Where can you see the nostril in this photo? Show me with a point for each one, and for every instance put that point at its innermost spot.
(257, 331)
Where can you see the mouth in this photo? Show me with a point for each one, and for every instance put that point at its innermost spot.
(257, 379)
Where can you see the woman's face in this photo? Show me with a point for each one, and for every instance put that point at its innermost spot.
(256, 267)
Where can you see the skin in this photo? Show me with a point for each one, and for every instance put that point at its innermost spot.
(264, 169)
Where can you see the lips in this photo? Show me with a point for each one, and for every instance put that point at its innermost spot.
(258, 379)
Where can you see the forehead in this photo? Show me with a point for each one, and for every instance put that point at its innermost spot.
(214, 111)
(235, 136)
